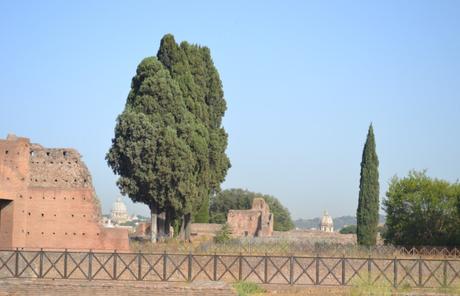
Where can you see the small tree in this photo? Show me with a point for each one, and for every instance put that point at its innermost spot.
(223, 235)
(422, 211)
(368, 205)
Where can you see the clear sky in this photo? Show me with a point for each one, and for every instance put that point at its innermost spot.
(302, 80)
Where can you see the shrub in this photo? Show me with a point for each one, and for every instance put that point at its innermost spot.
(422, 211)
(349, 229)
(223, 235)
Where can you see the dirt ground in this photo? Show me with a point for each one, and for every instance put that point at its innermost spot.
(279, 290)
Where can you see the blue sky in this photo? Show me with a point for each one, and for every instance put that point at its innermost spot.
(302, 80)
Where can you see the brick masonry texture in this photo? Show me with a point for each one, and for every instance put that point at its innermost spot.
(256, 222)
(47, 200)
(112, 288)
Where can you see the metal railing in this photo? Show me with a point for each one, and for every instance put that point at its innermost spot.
(267, 269)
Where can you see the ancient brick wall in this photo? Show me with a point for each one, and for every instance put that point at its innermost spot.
(258, 221)
(49, 201)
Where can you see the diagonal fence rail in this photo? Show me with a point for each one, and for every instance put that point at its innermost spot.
(267, 269)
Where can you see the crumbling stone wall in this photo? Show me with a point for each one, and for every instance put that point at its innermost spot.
(47, 200)
(256, 222)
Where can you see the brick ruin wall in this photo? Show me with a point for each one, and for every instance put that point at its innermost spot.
(47, 200)
(255, 222)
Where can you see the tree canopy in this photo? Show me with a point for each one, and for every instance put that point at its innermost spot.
(367, 215)
(422, 211)
(169, 145)
(239, 199)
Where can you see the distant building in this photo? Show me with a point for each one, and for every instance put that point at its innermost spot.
(327, 224)
(119, 214)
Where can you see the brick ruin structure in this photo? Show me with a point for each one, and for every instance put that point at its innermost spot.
(47, 200)
(255, 222)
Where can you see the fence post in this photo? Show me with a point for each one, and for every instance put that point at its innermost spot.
(444, 273)
(139, 266)
(215, 267)
(420, 271)
(114, 254)
(65, 263)
(240, 267)
(369, 268)
(395, 272)
(265, 268)
(16, 266)
(343, 270)
(165, 262)
(317, 270)
(90, 264)
(40, 265)
(291, 270)
(189, 278)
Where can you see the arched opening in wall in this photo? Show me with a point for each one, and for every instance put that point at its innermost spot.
(6, 223)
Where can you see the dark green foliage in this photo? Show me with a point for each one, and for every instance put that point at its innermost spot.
(239, 199)
(193, 69)
(368, 206)
(202, 215)
(349, 229)
(154, 162)
(223, 235)
(422, 211)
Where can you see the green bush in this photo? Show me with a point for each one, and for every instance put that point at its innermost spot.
(349, 229)
(422, 211)
(223, 235)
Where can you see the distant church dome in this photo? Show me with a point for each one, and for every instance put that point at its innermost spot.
(327, 225)
(119, 214)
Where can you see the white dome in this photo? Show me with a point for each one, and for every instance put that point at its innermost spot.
(119, 206)
(119, 214)
(326, 220)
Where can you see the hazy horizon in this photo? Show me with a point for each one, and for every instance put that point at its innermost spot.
(302, 81)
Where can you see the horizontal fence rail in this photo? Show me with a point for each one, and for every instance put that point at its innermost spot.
(266, 269)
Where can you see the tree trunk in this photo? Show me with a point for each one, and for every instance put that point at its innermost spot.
(187, 226)
(167, 223)
(182, 229)
(153, 224)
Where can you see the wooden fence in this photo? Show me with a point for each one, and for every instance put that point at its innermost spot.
(267, 269)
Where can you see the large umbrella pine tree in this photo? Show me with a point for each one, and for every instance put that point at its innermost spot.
(368, 205)
(153, 161)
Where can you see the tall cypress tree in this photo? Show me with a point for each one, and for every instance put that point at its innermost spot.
(368, 205)
(192, 67)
